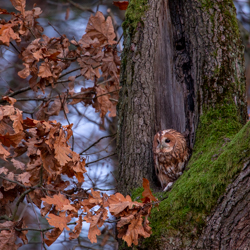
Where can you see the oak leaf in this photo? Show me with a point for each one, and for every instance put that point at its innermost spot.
(8, 237)
(93, 229)
(58, 200)
(19, 5)
(44, 70)
(7, 33)
(135, 230)
(3, 170)
(101, 29)
(118, 203)
(59, 221)
(46, 208)
(10, 100)
(62, 150)
(147, 194)
(3, 152)
(52, 236)
(77, 230)
(12, 140)
(24, 73)
(24, 178)
(93, 200)
(7, 184)
(17, 164)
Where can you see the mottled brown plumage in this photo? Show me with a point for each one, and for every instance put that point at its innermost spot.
(170, 156)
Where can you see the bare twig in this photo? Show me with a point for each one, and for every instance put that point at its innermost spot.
(107, 136)
(80, 7)
(16, 49)
(99, 159)
(40, 230)
(16, 182)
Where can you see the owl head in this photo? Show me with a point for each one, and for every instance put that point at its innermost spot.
(167, 141)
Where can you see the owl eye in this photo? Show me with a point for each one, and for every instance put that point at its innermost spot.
(167, 140)
(158, 141)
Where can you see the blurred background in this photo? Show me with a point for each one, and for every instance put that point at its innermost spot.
(70, 17)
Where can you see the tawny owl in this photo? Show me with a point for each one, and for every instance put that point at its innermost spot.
(170, 156)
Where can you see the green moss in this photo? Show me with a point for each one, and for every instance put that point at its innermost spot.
(134, 13)
(137, 194)
(216, 159)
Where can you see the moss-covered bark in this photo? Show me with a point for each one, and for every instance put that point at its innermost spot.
(218, 157)
(183, 68)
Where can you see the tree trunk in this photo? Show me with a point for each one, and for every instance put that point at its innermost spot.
(183, 57)
(183, 68)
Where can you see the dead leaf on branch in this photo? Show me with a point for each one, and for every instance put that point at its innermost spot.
(12, 140)
(135, 230)
(60, 201)
(10, 100)
(96, 220)
(7, 34)
(3, 152)
(59, 221)
(24, 178)
(44, 70)
(8, 237)
(77, 230)
(101, 29)
(52, 236)
(7, 184)
(147, 194)
(62, 150)
(118, 203)
(4, 170)
(17, 164)
(19, 5)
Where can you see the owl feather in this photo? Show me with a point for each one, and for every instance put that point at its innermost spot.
(170, 156)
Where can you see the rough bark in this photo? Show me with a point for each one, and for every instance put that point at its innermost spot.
(183, 68)
(183, 57)
(228, 225)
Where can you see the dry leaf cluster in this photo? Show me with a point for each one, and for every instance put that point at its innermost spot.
(45, 59)
(38, 180)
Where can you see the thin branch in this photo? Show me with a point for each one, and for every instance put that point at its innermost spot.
(16, 182)
(21, 199)
(107, 136)
(65, 114)
(40, 230)
(99, 159)
(58, 4)
(73, 70)
(80, 7)
(16, 49)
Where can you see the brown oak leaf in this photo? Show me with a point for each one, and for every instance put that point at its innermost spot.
(52, 236)
(59, 200)
(17, 164)
(77, 230)
(62, 150)
(3, 152)
(59, 221)
(147, 194)
(135, 230)
(24, 178)
(101, 29)
(117, 203)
